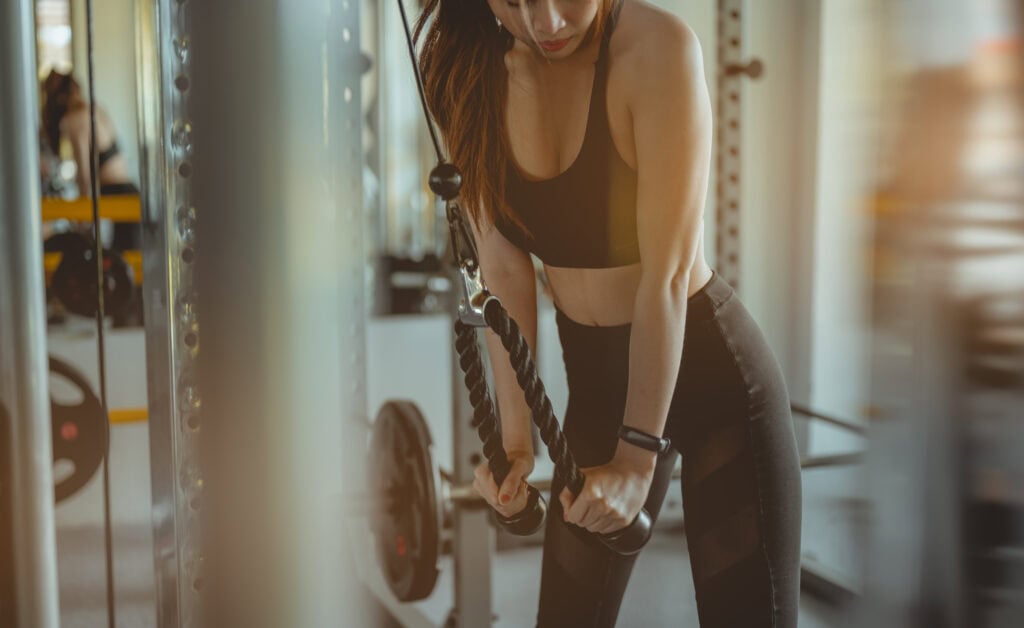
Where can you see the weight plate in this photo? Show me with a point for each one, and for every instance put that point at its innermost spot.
(80, 432)
(74, 280)
(407, 522)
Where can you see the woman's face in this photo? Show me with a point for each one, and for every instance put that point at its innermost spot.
(555, 28)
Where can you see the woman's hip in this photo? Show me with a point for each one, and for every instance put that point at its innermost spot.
(727, 369)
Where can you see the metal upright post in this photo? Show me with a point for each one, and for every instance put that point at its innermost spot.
(252, 176)
(23, 362)
(473, 542)
(276, 175)
(164, 66)
(732, 68)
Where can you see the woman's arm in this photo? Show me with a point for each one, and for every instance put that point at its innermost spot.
(508, 274)
(75, 127)
(672, 129)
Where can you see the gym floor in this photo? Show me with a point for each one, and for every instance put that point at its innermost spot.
(660, 593)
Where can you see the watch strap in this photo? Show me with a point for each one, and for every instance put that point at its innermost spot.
(644, 440)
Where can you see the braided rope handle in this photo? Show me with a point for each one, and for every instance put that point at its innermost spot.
(537, 399)
(532, 516)
(484, 420)
(626, 541)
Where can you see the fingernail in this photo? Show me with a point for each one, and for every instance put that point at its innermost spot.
(504, 499)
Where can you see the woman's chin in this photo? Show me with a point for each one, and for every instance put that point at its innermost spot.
(563, 52)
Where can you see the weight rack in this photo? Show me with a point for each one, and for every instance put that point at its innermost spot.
(168, 217)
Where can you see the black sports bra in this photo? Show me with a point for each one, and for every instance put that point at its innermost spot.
(112, 151)
(585, 217)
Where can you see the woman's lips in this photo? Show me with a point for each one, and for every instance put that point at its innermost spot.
(554, 45)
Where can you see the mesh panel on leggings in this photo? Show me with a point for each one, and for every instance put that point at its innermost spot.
(723, 527)
(715, 453)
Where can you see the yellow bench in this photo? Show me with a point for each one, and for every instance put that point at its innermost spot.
(128, 415)
(118, 208)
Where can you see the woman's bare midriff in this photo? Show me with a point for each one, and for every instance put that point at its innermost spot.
(603, 297)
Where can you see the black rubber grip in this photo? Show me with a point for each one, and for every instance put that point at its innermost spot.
(531, 518)
(625, 542)
(632, 538)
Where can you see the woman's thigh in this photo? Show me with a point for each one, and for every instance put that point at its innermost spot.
(582, 581)
(741, 476)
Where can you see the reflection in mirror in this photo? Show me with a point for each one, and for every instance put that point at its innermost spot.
(64, 134)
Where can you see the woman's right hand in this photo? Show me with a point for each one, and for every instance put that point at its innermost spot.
(510, 499)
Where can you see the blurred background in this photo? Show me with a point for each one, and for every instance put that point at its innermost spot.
(867, 202)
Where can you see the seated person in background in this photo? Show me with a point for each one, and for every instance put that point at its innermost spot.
(66, 115)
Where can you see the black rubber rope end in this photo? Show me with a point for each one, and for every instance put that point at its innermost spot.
(531, 518)
(632, 538)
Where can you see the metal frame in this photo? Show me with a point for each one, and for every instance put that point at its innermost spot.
(728, 139)
(23, 363)
(278, 330)
(171, 324)
(280, 277)
(473, 543)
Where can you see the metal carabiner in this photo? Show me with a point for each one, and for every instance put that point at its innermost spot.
(474, 297)
(474, 294)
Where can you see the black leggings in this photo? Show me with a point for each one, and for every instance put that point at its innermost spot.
(730, 420)
(127, 235)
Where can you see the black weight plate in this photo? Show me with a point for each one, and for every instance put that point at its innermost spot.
(407, 524)
(74, 280)
(80, 432)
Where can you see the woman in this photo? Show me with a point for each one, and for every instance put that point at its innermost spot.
(583, 130)
(66, 115)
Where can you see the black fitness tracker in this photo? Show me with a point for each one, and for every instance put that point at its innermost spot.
(643, 440)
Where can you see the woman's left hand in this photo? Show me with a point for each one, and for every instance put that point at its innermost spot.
(612, 496)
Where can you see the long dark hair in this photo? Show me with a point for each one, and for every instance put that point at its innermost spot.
(462, 60)
(58, 89)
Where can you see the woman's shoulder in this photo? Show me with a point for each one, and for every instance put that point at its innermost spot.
(649, 41)
(75, 118)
